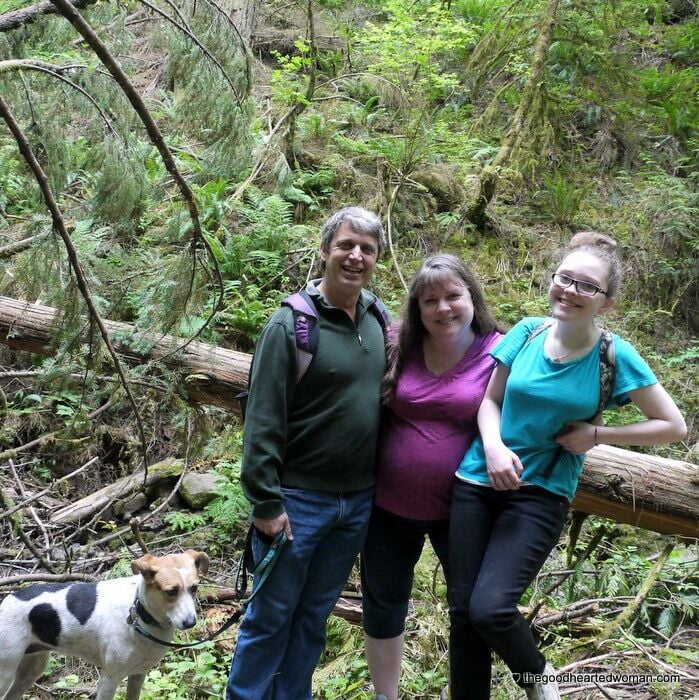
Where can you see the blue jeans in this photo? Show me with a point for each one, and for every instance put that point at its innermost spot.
(282, 634)
(498, 542)
(392, 548)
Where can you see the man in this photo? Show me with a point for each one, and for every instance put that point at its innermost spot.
(308, 460)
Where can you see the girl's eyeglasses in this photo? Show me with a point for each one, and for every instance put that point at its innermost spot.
(585, 289)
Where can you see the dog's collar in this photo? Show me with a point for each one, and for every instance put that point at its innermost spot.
(138, 612)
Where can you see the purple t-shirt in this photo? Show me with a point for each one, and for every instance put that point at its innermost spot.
(428, 428)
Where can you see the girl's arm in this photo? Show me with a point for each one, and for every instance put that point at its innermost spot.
(664, 424)
(504, 467)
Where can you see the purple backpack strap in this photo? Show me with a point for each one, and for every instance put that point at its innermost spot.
(305, 329)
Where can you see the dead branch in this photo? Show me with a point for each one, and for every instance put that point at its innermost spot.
(12, 581)
(25, 15)
(85, 507)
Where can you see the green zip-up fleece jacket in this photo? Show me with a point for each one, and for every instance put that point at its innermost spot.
(319, 434)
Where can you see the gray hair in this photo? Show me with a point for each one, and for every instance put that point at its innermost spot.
(360, 221)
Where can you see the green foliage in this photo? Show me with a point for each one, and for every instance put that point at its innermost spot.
(561, 199)
(421, 44)
(196, 675)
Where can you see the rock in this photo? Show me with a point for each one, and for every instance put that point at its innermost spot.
(196, 490)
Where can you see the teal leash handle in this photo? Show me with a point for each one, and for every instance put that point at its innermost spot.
(264, 568)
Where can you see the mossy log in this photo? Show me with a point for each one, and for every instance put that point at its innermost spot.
(122, 488)
(211, 375)
(629, 487)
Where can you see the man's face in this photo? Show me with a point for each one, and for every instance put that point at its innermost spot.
(349, 260)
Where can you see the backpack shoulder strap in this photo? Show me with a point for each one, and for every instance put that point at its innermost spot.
(378, 308)
(607, 369)
(546, 323)
(305, 329)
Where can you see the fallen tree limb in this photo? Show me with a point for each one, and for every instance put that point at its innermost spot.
(629, 487)
(213, 375)
(85, 507)
(25, 15)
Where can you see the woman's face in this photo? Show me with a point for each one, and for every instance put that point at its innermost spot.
(446, 309)
(567, 302)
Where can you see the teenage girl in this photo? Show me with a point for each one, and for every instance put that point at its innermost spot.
(515, 483)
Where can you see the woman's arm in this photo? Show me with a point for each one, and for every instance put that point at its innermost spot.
(664, 424)
(504, 467)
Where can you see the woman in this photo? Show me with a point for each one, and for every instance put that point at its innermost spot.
(515, 483)
(439, 367)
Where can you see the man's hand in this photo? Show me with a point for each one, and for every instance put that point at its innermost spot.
(273, 527)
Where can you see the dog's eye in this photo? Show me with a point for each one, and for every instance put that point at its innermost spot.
(172, 592)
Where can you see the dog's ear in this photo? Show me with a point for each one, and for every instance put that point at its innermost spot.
(147, 566)
(201, 561)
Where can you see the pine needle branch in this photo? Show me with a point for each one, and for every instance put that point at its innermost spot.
(60, 227)
(188, 32)
(57, 72)
(156, 137)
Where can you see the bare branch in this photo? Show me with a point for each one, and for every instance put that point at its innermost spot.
(18, 18)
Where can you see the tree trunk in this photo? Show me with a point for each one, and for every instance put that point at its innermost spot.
(245, 18)
(629, 487)
(526, 111)
(640, 489)
(212, 375)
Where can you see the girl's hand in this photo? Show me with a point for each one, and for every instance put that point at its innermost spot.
(577, 437)
(504, 468)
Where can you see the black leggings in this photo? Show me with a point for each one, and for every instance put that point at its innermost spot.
(499, 540)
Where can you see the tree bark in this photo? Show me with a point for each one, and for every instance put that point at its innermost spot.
(629, 487)
(213, 375)
(122, 488)
(25, 15)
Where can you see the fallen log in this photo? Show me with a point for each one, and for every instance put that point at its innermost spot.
(87, 506)
(640, 489)
(213, 375)
(629, 487)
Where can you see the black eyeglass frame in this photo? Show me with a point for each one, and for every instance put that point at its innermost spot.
(577, 283)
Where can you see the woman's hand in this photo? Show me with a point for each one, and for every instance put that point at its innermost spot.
(577, 437)
(504, 468)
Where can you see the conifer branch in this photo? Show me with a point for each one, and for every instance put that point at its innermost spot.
(156, 137)
(188, 32)
(57, 72)
(60, 227)
(243, 43)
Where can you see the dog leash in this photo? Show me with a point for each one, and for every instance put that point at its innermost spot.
(260, 574)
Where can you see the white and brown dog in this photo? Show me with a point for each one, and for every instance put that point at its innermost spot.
(95, 621)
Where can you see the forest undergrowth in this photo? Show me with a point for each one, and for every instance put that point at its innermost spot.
(190, 178)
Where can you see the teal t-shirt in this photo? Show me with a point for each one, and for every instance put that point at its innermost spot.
(541, 396)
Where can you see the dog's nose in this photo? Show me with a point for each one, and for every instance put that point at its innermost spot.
(189, 622)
